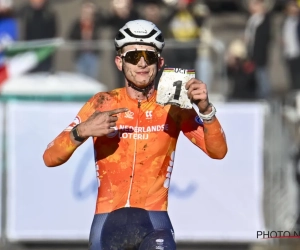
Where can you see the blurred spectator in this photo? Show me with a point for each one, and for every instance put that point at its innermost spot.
(291, 43)
(257, 37)
(184, 28)
(8, 27)
(85, 30)
(241, 72)
(121, 12)
(40, 22)
(204, 66)
(153, 11)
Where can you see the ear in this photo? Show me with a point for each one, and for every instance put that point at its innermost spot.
(161, 63)
(119, 62)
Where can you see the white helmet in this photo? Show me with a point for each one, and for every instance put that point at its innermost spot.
(139, 32)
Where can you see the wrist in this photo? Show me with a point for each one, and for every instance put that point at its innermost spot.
(77, 134)
(81, 130)
(208, 110)
(205, 110)
(209, 114)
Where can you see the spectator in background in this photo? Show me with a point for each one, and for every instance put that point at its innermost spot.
(40, 22)
(8, 27)
(121, 12)
(291, 43)
(257, 38)
(184, 28)
(85, 30)
(241, 72)
(153, 11)
(204, 66)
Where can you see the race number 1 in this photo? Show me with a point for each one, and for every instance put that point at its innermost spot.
(171, 87)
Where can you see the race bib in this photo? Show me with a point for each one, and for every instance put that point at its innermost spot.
(171, 87)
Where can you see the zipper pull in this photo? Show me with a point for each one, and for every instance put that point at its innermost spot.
(139, 103)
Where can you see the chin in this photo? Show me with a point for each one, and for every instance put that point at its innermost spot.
(143, 83)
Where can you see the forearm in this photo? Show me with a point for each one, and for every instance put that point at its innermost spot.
(60, 150)
(215, 141)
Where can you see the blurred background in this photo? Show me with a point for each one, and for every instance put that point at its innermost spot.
(56, 54)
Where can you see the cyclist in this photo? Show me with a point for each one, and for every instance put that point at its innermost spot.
(134, 143)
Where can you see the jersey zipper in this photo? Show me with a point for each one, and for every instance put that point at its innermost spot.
(134, 155)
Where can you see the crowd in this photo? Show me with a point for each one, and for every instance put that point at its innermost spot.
(185, 22)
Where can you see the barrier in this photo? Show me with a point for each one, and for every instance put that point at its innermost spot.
(209, 200)
(1, 163)
(227, 203)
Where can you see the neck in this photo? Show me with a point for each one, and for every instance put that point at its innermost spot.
(138, 95)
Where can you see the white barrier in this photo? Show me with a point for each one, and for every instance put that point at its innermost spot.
(1, 163)
(209, 200)
(226, 201)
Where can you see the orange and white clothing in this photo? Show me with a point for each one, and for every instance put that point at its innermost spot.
(135, 162)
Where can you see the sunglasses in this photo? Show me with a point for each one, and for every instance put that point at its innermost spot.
(134, 56)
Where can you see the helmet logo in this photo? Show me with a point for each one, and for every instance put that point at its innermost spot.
(140, 31)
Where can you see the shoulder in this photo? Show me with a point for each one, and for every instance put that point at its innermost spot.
(103, 99)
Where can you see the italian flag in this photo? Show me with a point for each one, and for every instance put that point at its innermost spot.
(21, 57)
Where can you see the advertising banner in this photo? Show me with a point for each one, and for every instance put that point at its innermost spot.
(210, 200)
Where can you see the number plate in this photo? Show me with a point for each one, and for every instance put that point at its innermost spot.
(171, 88)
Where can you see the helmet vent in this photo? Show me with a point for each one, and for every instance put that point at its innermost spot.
(140, 36)
(120, 36)
(160, 38)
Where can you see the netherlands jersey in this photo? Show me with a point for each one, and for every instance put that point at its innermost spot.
(134, 163)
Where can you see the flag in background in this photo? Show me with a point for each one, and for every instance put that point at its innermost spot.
(21, 57)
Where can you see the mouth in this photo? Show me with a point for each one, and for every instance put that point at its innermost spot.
(142, 73)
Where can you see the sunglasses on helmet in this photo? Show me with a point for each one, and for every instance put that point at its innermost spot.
(134, 56)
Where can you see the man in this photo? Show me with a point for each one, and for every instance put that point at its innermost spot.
(85, 29)
(290, 38)
(258, 38)
(134, 142)
(39, 12)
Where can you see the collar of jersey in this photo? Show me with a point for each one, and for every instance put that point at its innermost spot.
(128, 98)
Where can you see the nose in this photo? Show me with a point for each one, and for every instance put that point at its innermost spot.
(142, 62)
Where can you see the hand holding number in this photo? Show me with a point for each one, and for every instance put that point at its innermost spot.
(197, 93)
(100, 123)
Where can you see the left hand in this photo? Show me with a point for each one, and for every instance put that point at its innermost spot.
(197, 93)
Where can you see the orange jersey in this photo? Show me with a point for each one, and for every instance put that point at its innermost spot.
(135, 162)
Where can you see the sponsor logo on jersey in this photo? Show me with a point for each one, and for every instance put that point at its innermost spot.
(149, 114)
(137, 133)
(129, 114)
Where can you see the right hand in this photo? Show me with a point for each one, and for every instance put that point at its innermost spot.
(100, 123)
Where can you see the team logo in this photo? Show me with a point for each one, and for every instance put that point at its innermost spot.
(129, 114)
(198, 120)
(149, 114)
